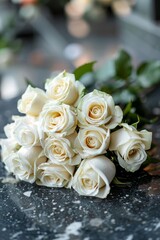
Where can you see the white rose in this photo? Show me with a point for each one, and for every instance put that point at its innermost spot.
(26, 132)
(32, 101)
(8, 147)
(94, 176)
(129, 146)
(92, 141)
(8, 130)
(57, 119)
(97, 108)
(25, 163)
(61, 150)
(54, 175)
(64, 88)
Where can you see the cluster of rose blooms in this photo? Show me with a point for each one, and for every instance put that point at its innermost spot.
(62, 139)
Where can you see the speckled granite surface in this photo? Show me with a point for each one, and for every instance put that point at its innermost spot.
(130, 213)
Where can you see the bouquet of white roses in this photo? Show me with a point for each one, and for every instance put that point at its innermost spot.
(65, 134)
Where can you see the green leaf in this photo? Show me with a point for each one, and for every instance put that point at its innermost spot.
(112, 87)
(83, 69)
(3, 43)
(149, 73)
(123, 65)
(117, 182)
(28, 82)
(127, 108)
(106, 72)
(119, 68)
(131, 117)
(147, 120)
(136, 123)
(124, 96)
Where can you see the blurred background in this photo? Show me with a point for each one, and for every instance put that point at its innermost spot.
(39, 37)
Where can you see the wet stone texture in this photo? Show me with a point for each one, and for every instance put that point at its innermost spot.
(32, 212)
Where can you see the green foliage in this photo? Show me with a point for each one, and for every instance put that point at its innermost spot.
(123, 65)
(83, 69)
(3, 43)
(14, 45)
(7, 39)
(119, 68)
(148, 73)
(29, 82)
(127, 109)
(119, 183)
(131, 117)
(127, 85)
(136, 123)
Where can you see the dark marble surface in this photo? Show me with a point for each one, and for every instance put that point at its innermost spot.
(130, 213)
